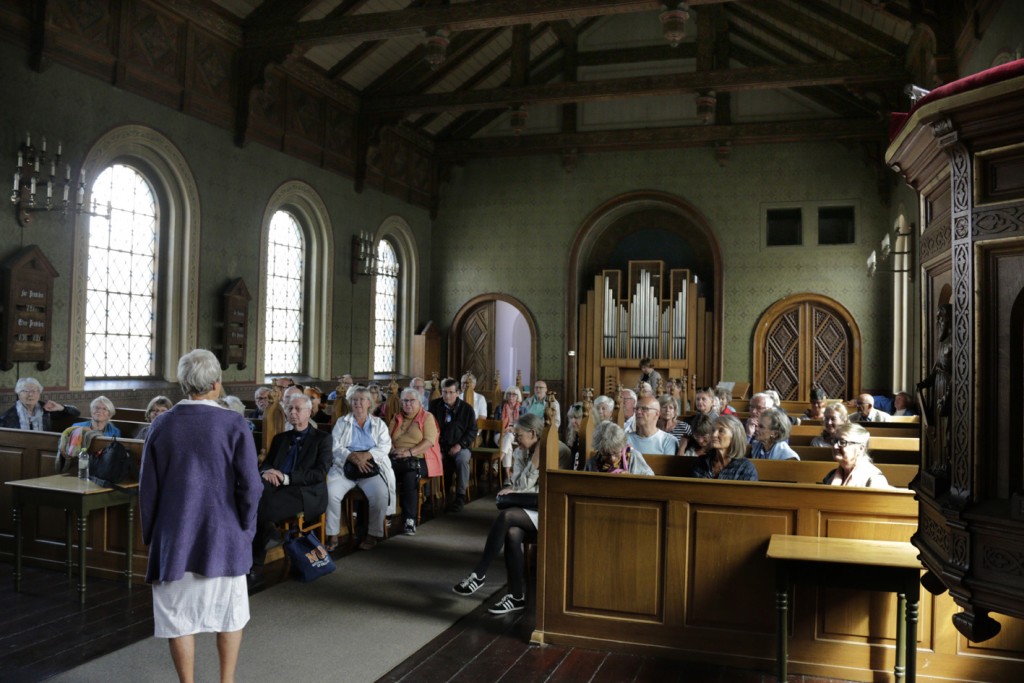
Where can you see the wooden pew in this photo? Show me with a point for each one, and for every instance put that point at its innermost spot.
(792, 471)
(890, 457)
(874, 429)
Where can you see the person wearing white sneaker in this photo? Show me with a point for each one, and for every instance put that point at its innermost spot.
(513, 526)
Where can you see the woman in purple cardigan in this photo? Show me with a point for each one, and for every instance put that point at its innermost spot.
(199, 487)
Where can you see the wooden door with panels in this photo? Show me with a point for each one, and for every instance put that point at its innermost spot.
(476, 344)
(807, 340)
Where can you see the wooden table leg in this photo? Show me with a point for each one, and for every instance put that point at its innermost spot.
(782, 622)
(901, 637)
(69, 540)
(16, 518)
(913, 603)
(83, 523)
(131, 541)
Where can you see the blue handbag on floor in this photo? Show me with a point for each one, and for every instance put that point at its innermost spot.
(310, 560)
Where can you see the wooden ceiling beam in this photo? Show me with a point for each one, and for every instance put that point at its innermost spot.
(838, 17)
(760, 23)
(720, 80)
(669, 137)
(459, 17)
(634, 55)
(827, 32)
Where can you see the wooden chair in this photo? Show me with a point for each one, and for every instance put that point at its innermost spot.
(486, 428)
(436, 487)
(348, 505)
(298, 522)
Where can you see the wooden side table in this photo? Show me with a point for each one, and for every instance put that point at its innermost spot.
(852, 563)
(74, 495)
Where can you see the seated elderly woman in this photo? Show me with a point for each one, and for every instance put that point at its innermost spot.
(514, 525)
(772, 436)
(700, 441)
(726, 459)
(102, 411)
(613, 454)
(573, 440)
(604, 407)
(835, 416)
(669, 421)
(380, 401)
(30, 411)
(508, 413)
(156, 406)
(361, 447)
(903, 405)
(855, 467)
(415, 452)
(817, 409)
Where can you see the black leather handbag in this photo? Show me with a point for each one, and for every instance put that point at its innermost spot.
(517, 499)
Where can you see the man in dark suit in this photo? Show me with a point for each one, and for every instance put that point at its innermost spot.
(457, 421)
(294, 475)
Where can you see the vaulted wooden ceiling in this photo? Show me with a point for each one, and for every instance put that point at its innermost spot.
(599, 74)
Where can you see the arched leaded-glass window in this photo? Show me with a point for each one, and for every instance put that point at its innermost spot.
(120, 321)
(286, 268)
(386, 309)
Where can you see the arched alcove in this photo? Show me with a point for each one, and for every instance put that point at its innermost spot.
(473, 329)
(649, 225)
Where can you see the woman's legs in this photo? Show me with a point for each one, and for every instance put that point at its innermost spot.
(507, 440)
(409, 490)
(228, 646)
(183, 654)
(337, 487)
(376, 491)
(514, 560)
(511, 518)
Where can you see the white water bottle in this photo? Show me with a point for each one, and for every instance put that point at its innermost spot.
(83, 465)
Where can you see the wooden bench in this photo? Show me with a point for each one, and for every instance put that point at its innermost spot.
(789, 471)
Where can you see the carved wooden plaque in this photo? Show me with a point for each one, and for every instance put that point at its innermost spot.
(234, 340)
(27, 318)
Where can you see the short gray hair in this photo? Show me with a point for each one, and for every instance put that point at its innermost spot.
(158, 401)
(666, 399)
(358, 389)
(602, 402)
(609, 438)
(105, 402)
(198, 371)
(515, 390)
(26, 382)
(411, 392)
(629, 393)
(234, 403)
(292, 397)
(778, 422)
(531, 422)
(767, 397)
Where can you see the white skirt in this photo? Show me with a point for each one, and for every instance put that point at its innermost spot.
(199, 604)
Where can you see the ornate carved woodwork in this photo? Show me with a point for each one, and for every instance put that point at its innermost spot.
(963, 153)
(476, 337)
(234, 324)
(807, 340)
(26, 316)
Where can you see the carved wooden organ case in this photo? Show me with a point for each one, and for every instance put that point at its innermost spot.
(964, 154)
(645, 312)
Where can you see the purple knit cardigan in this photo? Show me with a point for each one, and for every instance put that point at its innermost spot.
(199, 487)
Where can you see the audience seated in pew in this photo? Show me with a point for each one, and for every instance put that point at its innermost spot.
(834, 417)
(294, 476)
(771, 437)
(647, 438)
(364, 441)
(855, 465)
(102, 411)
(816, 411)
(866, 411)
(538, 403)
(703, 404)
(457, 421)
(728, 450)
(903, 405)
(513, 526)
(316, 398)
(670, 423)
(573, 439)
(627, 403)
(262, 397)
(156, 406)
(759, 403)
(604, 408)
(415, 452)
(699, 442)
(234, 403)
(31, 411)
(614, 454)
(468, 385)
(724, 396)
(508, 413)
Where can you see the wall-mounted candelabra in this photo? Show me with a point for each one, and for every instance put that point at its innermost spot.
(364, 256)
(31, 180)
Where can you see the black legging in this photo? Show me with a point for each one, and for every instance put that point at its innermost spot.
(409, 490)
(512, 527)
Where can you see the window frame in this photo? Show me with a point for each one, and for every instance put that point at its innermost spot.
(307, 207)
(399, 234)
(167, 171)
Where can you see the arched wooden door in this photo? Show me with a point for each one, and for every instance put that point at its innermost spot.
(807, 340)
(476, 344)
(475, 340)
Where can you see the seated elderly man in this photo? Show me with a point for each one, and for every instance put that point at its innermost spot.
(604, 407)
(627, 399)
(866, 411)
(759, 403)
(294, 474)
(344, 382)
(420, 385)
(538, 402)
(262, 398)
(457, 421)
(479, 402)
(30, 411)
(647, 438)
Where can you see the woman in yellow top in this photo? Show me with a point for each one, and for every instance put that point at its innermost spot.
(414, 452)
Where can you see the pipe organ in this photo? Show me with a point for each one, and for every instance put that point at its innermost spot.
(644, 313)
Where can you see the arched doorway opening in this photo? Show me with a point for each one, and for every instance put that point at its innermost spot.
(493, 333)
(643, 226)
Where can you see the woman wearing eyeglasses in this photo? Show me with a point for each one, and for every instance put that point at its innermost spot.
(31, 411)
(851, 454)
(414, 453)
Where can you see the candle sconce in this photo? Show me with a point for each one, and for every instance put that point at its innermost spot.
(364, 256)
(31, 180)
